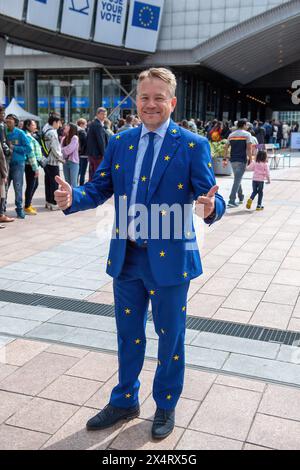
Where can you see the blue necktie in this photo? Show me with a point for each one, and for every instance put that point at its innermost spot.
(144, 180)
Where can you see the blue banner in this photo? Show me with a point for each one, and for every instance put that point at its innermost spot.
(127, 104)
(43, 102)
(21, 101)
(58, 102)
(82, 102)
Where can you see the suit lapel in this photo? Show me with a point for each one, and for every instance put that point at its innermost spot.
(166, 155)
(131, 149)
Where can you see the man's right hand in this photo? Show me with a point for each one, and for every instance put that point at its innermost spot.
(63, 196)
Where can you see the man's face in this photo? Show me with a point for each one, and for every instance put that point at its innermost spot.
(2, 116)
(102, 116)
(154, 102)
(10, 122)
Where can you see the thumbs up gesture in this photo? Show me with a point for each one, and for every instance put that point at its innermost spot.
(63, 196)
(206, 203)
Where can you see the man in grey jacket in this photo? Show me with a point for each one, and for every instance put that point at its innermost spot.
(54, 158)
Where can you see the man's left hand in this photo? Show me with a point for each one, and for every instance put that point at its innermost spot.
(208, 202)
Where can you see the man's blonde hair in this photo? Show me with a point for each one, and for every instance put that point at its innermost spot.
(163, 74)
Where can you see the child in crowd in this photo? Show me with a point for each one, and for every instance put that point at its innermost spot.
(261, 173)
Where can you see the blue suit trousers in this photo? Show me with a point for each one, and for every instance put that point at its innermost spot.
(133, 290)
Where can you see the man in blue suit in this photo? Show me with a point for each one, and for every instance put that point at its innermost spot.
(155, 173)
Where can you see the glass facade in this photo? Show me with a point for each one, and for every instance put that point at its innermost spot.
(69, 95)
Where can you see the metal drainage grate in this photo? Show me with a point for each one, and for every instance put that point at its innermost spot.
(238, 330)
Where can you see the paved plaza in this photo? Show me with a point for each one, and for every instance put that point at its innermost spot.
(58, 351)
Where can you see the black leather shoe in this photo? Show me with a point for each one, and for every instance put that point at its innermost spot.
(111, 415)
(163, 424)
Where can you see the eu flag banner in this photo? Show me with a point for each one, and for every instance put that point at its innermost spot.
(13, 8)
(144, 24)
(146, 16)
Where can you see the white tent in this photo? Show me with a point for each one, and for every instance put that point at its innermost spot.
(15, 108)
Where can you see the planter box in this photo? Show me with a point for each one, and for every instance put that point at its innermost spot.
(219, 169)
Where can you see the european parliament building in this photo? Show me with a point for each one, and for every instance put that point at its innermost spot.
(232, 58)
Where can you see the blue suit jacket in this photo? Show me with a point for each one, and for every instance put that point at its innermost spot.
(183, 172)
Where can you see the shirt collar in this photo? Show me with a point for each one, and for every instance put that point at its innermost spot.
(161, 131)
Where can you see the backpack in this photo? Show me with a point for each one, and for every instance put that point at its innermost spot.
(40, 137)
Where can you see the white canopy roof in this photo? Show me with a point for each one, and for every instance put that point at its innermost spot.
(15, 108)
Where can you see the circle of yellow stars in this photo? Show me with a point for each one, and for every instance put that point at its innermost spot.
(146, 9)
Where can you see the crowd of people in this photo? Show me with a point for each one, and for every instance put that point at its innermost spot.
(268, 132)
(80, 148)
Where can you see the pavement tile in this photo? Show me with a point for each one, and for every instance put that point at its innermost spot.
(229, 314)
(237, 382)
(193, 440)
(69, 292)
(101, 398)
(36, 374)
(295, 251)
(243, 257)
(185, 411)
(136, 435)
(10, 274)
(67, 351)
(95, 366)
(16, 326)
(12, 438)
(21, 351)
(5, 283)
(69, 389)
(204, 305)
(26, 287)
(291, 263)
(28, 312)
(272, 315)
(233, 271)
(280, 401)
(43, 415)
(289, 277)
(255, 281)
(5, 370)
(227, 411)
(265, 267)
(50, 331)
(105, 298)
(74, 436)
(84, 320)
(294, 324)
(239, 345)
(92, 338)
(205, 357)
(285, 433)
(10, 403)
(219, 286)
(263, 368)
(243, 299)
(273, 255)
(4, 340)
(197, 384)
(281, 294)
